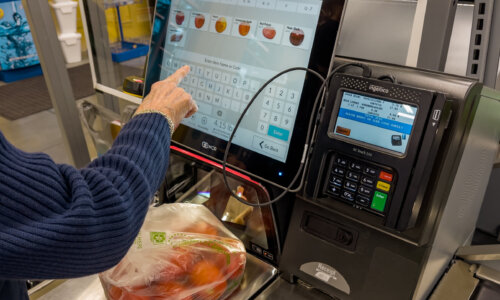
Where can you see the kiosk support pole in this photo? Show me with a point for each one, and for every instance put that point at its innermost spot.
(57, 79)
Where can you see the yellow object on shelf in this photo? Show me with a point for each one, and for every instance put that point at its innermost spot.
(135, 19)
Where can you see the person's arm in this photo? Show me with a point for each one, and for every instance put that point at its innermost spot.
(58, 222)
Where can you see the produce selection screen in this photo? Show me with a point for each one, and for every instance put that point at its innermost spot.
(378, 122)
(233, 47)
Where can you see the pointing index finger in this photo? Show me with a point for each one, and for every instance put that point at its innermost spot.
(179, 75)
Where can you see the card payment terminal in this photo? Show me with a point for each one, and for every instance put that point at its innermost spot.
(369, 150)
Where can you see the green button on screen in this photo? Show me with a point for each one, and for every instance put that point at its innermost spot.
(378, 201)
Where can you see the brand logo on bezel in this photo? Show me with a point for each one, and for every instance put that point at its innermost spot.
(376, 88)
(207, 146)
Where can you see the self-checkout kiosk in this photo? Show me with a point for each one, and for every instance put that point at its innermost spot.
(398, 161)
(232, 48)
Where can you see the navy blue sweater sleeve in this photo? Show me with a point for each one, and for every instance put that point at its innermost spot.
(59, 222)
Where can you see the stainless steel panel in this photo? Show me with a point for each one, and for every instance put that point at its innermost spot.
(257, 275)
(480, 252)
(488, 62)
(457, 283)
(458, 52)
(377, 30)
(77, 289)
(436, 33)
(489, 274)
(459, 216)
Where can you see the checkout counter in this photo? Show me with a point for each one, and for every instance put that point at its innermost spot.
(395, 173)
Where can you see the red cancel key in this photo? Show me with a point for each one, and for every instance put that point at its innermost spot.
(385, 176)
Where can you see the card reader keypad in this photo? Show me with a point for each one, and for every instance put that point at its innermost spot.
(359, 183)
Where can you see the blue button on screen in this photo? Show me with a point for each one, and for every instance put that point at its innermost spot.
(278, 133)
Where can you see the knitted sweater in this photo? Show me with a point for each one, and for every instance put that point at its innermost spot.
(59, 222)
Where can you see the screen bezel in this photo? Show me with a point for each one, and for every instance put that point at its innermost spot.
(242, 159)
(335, 114)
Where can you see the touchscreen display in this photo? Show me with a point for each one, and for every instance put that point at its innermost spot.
(233, 47)
(374, 121)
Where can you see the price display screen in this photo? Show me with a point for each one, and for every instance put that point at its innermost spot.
(381, 123)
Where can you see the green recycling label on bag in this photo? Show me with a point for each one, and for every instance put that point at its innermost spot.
(158, 238)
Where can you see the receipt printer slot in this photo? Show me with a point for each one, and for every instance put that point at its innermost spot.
(329, 231)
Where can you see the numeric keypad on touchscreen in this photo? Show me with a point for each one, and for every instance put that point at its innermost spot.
(276, 107)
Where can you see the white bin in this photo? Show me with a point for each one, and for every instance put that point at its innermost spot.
(66, 15)
(71, 44)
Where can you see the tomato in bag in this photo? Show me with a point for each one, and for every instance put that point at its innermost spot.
(182, 252)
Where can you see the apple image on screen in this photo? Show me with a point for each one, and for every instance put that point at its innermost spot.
(179, 18)
(199, 21)
(176, 37)
(269, 32)
(220, 25)
(244, 28)
(297, 37)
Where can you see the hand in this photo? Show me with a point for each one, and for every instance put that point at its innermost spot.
(168, 98)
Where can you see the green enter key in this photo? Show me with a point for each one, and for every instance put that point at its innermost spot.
(378, 201)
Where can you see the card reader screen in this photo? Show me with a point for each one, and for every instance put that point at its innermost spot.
(233, 47)
(374, 121)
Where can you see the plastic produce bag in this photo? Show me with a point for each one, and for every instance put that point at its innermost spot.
(182, 252)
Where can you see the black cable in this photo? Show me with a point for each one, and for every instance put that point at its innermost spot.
(388, 76)
(304, 162)
(226, 153)
(325, 86)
